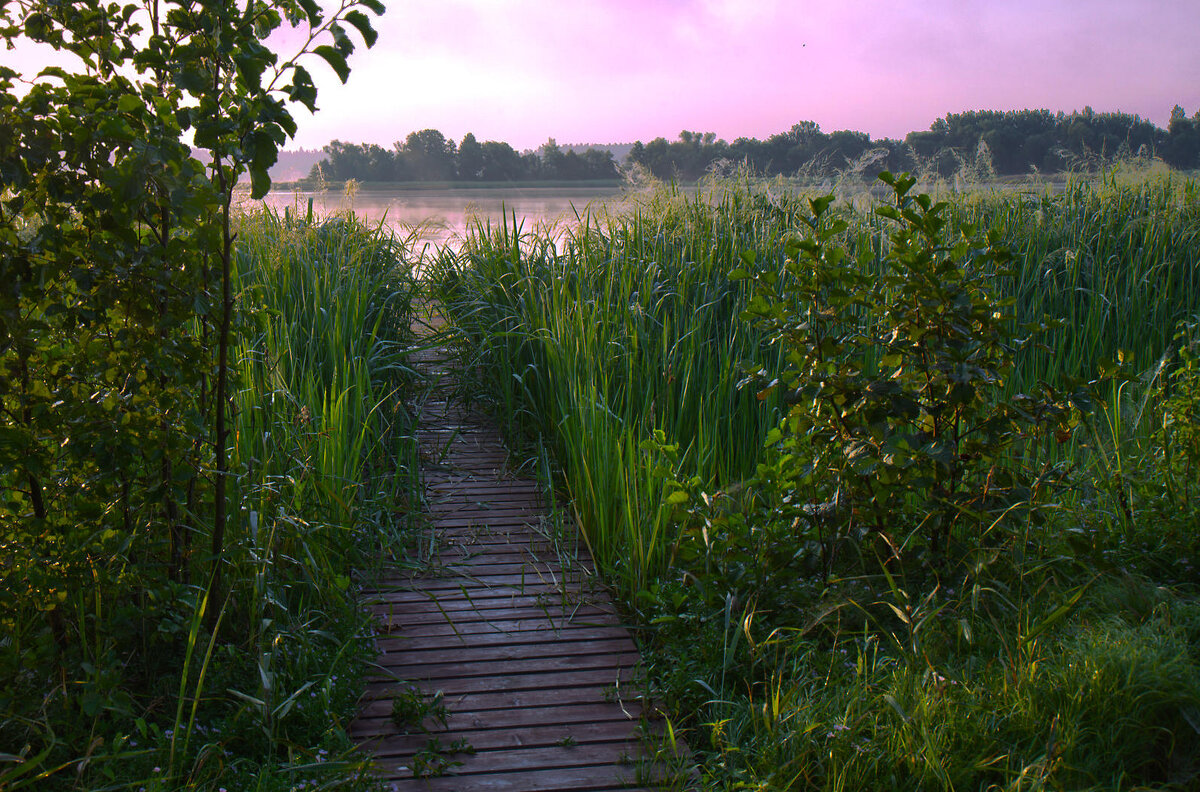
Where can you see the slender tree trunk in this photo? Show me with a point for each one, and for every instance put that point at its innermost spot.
(35, 486)
(220, 406)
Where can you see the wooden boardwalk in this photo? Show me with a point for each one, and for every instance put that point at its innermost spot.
(516, 665)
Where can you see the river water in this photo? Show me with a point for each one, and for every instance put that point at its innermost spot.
(440, 216)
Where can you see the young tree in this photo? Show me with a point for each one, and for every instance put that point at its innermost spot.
(116, 293)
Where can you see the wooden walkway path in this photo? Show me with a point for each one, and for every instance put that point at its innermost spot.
(516, 666)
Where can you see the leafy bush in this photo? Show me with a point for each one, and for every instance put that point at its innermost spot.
(897, 433)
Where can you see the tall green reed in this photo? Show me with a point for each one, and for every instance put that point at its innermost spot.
(627, 325)
(1114, 261)
(325, 309)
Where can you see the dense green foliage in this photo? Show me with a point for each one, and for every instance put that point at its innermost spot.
(322, 309)
(428, 156)
(939, 537)
(897, 425)
(185, 425)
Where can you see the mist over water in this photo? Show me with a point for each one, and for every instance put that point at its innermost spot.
(442, 215)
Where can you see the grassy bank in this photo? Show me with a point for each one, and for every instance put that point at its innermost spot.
(896, 510)
(112, 677)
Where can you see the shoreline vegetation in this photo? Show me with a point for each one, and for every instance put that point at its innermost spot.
(1031, 181)
(304, 185)
(901, 495)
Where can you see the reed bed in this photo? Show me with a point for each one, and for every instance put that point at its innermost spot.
(629, 325)
(1114, 262)
(1062, 653)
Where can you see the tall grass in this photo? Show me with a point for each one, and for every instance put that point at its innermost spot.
(629, 325)
(1113, 261)
(326, 454)
(154, 696)
(322, 355)
(622, 349)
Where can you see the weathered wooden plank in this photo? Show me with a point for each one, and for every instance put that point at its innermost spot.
(479, 574)
(446, 487)
(458, 559)
(552, 756)
(473, 589)
(485, 492)
(470, 516)
(486, 668)
(481, 533)
(460, 640)
(491, 598)
(458, 477)
(524, 630)
(616, 678)
(446, 525)
(482, 576)
(521, 507)
(599, 712)
(455, 545)
(546, 625)
(579, 734)
(597, 778)
(377, 703)
(508, 613)
(400, 650)
(476, 587)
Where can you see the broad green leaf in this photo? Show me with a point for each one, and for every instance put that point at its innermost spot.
(260, 182)
(335, 59)
(362, 23)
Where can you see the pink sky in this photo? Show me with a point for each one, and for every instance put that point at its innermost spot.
(610, 71)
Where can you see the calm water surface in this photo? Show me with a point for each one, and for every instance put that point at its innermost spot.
(441, 216)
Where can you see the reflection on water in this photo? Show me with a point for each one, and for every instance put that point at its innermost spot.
(442, 215)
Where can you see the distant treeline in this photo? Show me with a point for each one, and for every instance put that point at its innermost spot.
(429, 156)
(983, 143)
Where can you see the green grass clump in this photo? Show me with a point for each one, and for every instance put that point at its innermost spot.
(1101, 707)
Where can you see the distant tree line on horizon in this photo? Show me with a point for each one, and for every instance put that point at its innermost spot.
(429, 156)
(984, 143)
